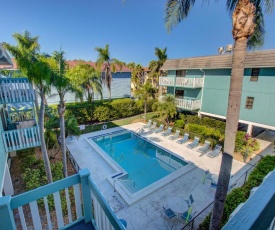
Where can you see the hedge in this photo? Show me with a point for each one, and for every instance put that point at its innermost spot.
(86, 113)
(240, 195)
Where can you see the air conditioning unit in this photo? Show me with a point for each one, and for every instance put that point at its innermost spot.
(220, 50)
(229, 48)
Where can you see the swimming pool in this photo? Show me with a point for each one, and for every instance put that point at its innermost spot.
(142, 162)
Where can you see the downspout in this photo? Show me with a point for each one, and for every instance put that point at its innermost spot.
(202, 90)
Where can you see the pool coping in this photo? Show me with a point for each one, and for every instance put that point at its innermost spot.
(128, 197)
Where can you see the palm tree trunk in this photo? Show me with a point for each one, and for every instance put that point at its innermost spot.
(36, 100)
(42, 139)
(145, 109)
(61, 112)
(232, 119)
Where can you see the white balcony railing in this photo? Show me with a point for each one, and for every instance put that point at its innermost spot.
(21, 138)
(188, 104)
(15, 90)
(167, 81)
(189, 82)
(59, 205)
(182, 82)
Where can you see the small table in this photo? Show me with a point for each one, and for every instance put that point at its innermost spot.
(177, 204)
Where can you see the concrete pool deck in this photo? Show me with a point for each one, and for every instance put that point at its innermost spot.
(147, 213)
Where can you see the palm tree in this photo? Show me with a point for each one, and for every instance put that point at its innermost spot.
(63, 86)
(85, 78)
(145, 93)
(109, 65)
(248, 31)
(24, 53)
(137, 75)
(36, 68)
(166, 108)
(155, 66)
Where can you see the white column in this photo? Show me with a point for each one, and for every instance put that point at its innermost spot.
(249, 129)
(8, 187)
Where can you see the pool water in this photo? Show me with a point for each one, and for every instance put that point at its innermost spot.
(144, 162)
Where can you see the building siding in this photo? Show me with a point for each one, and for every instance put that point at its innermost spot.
(120, 88)
(216, 89)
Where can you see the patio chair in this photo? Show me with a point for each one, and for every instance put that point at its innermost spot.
(205, 147)
(194, 144)
(159, 129)
(190, 200)
(184, 139)
(167, 132)
(169, 212)
(216, 151)
(149, 123)
(175, 136)
(187, 216)
(154, 125)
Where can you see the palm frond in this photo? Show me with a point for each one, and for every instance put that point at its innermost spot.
(176, 11)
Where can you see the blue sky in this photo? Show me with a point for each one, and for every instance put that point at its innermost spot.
(132, 29)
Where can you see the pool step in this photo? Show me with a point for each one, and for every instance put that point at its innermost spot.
(130, 187)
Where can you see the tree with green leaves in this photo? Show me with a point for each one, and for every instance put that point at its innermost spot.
(36, 68)
(155, 66)
(137, 75)
(63, 85)
(248, 31)
(166, 108)
(145, 93)
(107, 65)
(85, 78)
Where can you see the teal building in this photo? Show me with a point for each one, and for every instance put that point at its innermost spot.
(201, 84)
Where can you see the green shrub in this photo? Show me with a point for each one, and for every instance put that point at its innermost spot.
(179, 124)
(50, 139)
(191, 119)
(102, 113)
(240, 140)
(124, 108)
(240, 195)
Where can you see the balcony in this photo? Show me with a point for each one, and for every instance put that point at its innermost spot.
(21, 138)
(187, 104)
(15, 90)
(181, 82)
(90, 207)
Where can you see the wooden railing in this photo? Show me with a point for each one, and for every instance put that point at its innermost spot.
(14, 90)
(188, 104)
(182, 82)
(89, 206)
(18, 139)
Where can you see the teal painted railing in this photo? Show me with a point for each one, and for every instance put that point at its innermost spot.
(90, 206)
(186, 82)
(18, 139)
(15, 90)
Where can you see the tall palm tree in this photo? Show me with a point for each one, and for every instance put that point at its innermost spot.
(248, 31)
(85, 79)
(62, 84)
(108, 64)
(137, 75)
(37, 70)
(155, 66)
(145, 93)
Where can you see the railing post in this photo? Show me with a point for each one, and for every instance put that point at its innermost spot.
(86, 194)
(6, 214)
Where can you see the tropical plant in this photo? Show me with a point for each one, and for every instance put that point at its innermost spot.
(35, 67)
(85, 78)
(155, 66)
(145, 93)
(166, 108)
(248, 31)
(137, 75)
(107, 65)
(62, 84)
